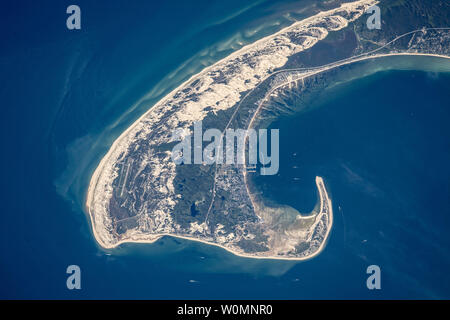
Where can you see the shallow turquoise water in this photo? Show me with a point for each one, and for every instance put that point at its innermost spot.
(66, 96)
(382, 145)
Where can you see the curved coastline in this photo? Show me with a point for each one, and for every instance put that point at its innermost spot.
(313, 30)
(150, 238)
(155, 237)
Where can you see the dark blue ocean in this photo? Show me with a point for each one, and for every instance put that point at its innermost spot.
(382, 147)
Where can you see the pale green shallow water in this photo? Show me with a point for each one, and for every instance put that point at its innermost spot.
(80, 89)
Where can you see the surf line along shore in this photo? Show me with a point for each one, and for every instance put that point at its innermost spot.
(230, 309)
(269, 52)
(150, 238)
(98, 217)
